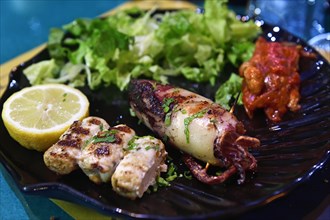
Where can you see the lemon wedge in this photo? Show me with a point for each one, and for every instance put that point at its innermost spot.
(37, 116)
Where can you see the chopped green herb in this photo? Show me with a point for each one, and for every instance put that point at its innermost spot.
(101, 127)
(106, 137)
(152, 147)
(131, 145)
(171, 172)
(132, 112)
(87, 142)
(108, 132)
(188, 120)
(170, 175)
(187, 175)
(166, 104)
(184, 111)
(171, 178)
(160, 182)
(218, 173)
(167, 120)
(166, 107)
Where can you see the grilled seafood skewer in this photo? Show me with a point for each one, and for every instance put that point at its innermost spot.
(62, 156)
(199, 127)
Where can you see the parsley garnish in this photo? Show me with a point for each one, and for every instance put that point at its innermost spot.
(171, 172)
(166, 104)
(169, 176)
(131, 144)
(187, 175)
(188, 120)
(87, 142)
(166, 107)
(218, 173)
(101, 127)
(167, 120)
(132, 112)
(156, 147)
(104, 137)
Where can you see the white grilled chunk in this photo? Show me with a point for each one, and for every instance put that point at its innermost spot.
(143, 161)
(101, 155)
(62, 156)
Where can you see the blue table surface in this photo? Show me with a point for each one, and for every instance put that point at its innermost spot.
(25, 25)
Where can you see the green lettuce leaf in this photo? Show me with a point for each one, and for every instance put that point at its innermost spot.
(37, 73)
(134, 43)
(229, 90)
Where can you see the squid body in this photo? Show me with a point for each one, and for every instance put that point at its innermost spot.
(200, 128)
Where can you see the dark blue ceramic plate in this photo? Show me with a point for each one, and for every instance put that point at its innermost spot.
(290, 153)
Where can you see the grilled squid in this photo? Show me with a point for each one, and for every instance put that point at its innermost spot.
(62, 156)
(109, 155)
(103, 152)
(143, 161)
(200, 128)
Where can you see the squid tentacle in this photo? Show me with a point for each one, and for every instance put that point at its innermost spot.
(232, 149)
(201, 173)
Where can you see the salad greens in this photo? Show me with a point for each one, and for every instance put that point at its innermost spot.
(229, 90)
(112, 50)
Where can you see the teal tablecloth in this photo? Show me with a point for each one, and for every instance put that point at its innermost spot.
(25, 23)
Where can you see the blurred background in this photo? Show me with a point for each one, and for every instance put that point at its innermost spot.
(25, 24)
